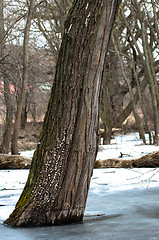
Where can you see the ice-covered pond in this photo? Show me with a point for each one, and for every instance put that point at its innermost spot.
(122, 203)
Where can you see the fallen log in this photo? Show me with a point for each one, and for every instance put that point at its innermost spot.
(14, 162)
(113, 163)
(150, 160)
(20, 162)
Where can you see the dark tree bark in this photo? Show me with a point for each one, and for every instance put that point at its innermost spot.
(58, 183)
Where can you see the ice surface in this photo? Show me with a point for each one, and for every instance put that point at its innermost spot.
(11, 184)
(114, 179)
(131, 209)
(28, 153)
(130, 145)
(128, 198)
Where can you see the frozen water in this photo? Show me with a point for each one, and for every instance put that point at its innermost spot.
(131, 209)
(130, 145)
(11, 184)
(113, 180)
(122, 203)
(28, 153)
(129, 202)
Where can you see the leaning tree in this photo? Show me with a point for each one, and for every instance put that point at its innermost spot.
(59, 178)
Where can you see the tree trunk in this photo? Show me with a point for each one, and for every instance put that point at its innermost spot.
(7, 96)
(147, 129)
(14, 144)
(2, 32)
(9, 118)
(58, 183)
(127, 81)
(24, 113)
(127, 110)
(105, 112)
(151, 78)
(149, 70)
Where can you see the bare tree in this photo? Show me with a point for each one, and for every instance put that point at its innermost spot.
(128, 82)
(14, 144)
(138, 56)
(49, 19)
(7, 95)
(59, 179)
(149, 70)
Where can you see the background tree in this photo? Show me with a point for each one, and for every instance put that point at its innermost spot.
(40, 74)
(49, 20)
(112, 94)
(135, 61)
(45, 39)
(14, 145)
(4, 76)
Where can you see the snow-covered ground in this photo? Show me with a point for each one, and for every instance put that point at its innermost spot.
(128, 198)
(130, 145)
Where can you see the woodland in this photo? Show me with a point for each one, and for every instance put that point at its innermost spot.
(131, 68)
(102, 59)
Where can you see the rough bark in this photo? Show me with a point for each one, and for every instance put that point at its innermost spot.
(148, 161)
(58, 183)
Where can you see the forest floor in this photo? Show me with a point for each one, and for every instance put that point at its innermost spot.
(28, 138)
